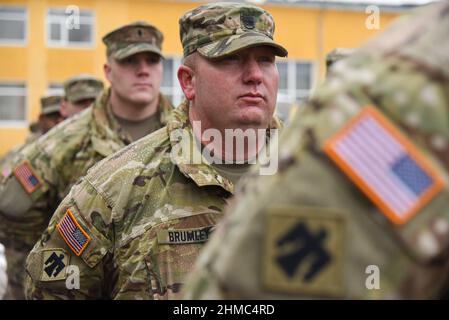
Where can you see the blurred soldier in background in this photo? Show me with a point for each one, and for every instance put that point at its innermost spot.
(3, 275)
(79, 92)
(145, 212)
(360, 205)
(49, 117)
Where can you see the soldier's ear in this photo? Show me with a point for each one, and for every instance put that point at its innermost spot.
(186, 78)
(107, 70)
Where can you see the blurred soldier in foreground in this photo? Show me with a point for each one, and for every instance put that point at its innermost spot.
(3, 276)
(132, 108)
(336, 55)
(135, 223)
(360, 205)
(23, 215)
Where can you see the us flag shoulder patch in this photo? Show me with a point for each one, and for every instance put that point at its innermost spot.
(25, 174)
(73, 234)
(385, 165)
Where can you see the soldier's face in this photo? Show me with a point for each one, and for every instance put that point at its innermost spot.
(237, 91)
(46, 122)
(137, 78)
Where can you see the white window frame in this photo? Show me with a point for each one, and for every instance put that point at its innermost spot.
(292, 94)
(175, 90)
(18, 91)
(64, 42)
(55, 91)
(15, 17)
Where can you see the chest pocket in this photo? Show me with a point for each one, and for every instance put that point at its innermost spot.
(174, 247)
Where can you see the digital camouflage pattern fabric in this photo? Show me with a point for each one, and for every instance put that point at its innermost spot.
(221, 28)
(44, 171)
(135, 223)
(312, 230)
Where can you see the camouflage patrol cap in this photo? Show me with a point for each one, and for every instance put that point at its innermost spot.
(82, 87)
(219, 29)
(133, 38)
(50, 104)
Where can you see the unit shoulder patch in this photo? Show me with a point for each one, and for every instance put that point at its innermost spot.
(55, 262)
(384, 165)
(304, 251)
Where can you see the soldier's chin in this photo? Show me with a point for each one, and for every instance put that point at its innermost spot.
(142, 98)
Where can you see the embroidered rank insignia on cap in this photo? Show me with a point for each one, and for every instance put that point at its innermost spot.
(55, 262)
(27, 177)
(73, 234)
(385, 165)
(304, 251)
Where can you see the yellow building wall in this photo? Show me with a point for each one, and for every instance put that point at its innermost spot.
(308, 34)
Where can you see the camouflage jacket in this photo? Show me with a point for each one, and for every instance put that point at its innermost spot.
(144, 217)
(55, 162)
(324, 235)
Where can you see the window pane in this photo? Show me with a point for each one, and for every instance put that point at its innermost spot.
(83, 34)
(282, 68)
(12, 108)
(303, 76)
(55, 89)
(167, 80)
(11, 10)
(55, 31)
(12, 30)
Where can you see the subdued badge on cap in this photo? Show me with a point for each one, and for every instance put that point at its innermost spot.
(82, 87)
(50, 104)
(219, 29)
(133, 38)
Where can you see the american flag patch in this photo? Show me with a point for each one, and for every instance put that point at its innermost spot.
(384, 165)
(27, 178)
(73, 234)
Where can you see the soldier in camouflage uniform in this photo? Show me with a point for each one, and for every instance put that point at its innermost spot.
(50, 116)
(45, 171)
(79, 90)
(79, 93)
(134, 225)
(364, 207)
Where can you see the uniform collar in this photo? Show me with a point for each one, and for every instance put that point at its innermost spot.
(182, 139)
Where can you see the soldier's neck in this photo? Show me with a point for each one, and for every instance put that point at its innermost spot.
(129, 110)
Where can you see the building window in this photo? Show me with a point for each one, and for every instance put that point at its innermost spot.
(55, 89)
(295, 83)
(13, 25)
(12, 104)
(170, 85)
(66, 30)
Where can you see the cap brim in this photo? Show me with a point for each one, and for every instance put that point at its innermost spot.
(136, 48)
(87, 95)
(51, 109)
(232, 44)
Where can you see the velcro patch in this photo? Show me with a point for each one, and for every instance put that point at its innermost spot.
(184, 236)
(73, 234)
(385, 165)
(27, 177)
(55, 262)
(304, 252)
